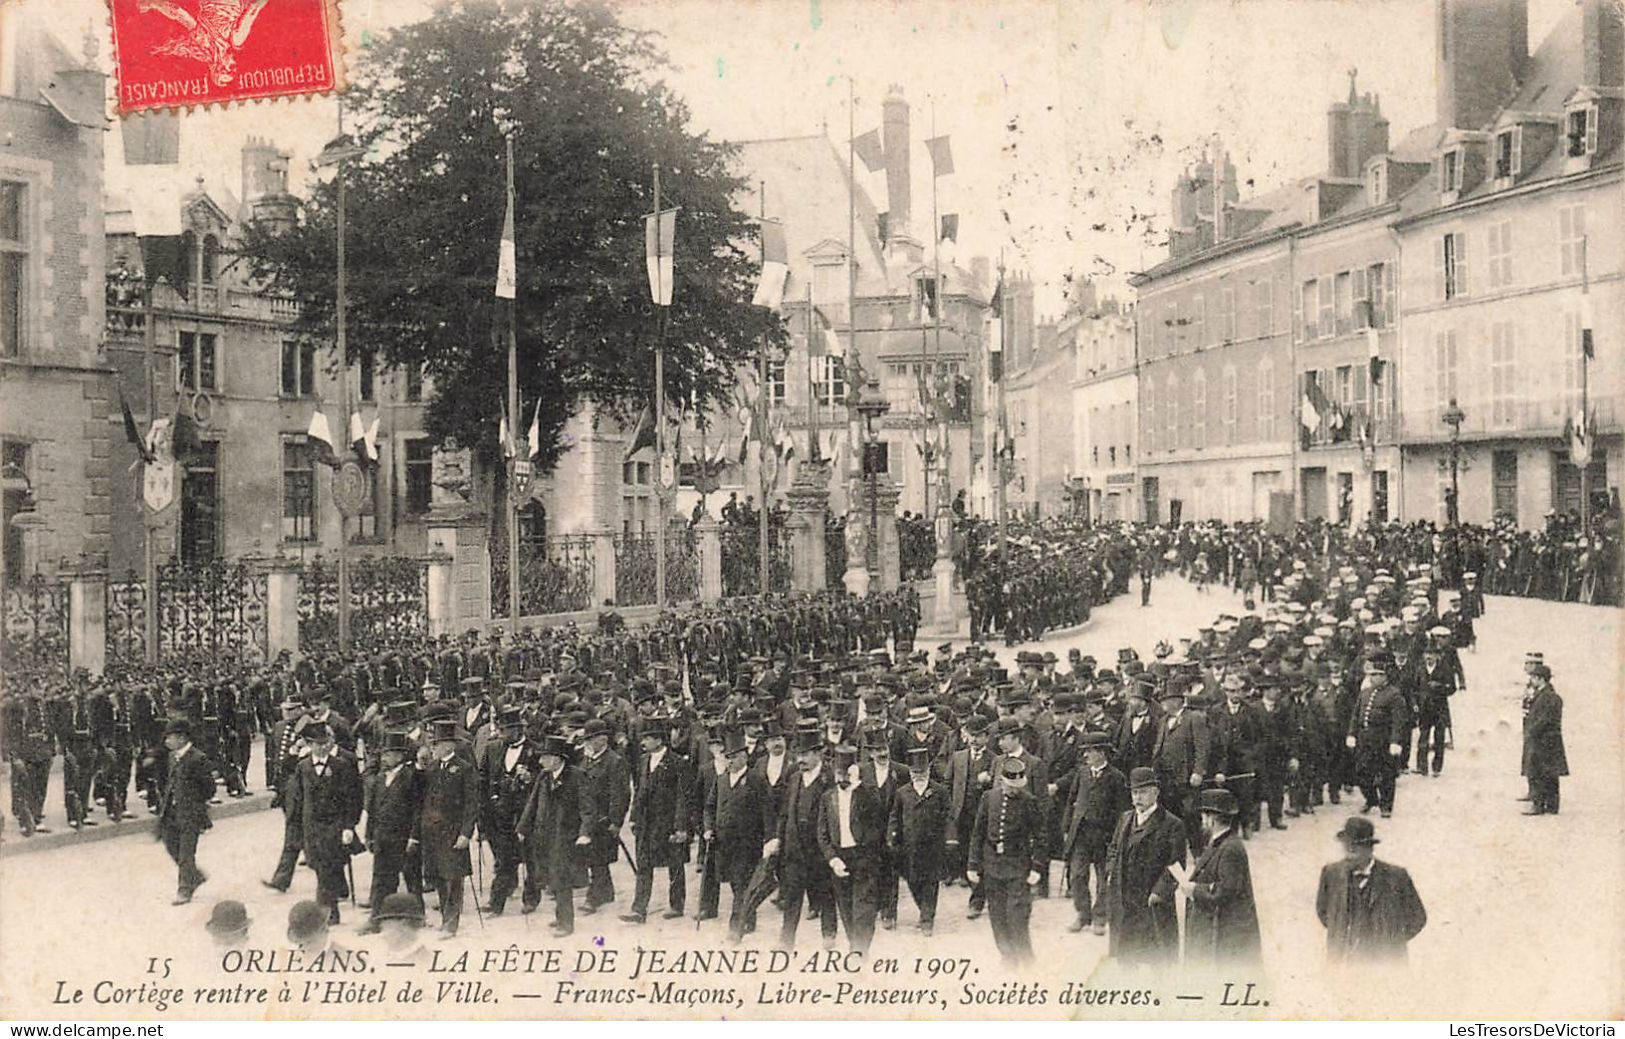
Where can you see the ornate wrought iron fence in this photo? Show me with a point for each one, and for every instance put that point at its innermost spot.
(35, 625)
(635, 568)
(682, 566)
(389, 602)
(127, 619)
(212, 610)
(741, 553)
(556, 574)
(834, 551)
(917, 546)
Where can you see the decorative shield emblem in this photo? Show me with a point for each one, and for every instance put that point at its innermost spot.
(668, 473)
(350, 487)
(522, 473)
(158, 485)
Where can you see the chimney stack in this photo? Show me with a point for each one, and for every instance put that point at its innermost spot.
(1483, 46)
(1601, 36)
(1355, 131)
(894, 131)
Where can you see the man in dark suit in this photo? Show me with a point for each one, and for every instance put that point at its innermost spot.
(803, 870)
(329, 804)
(451, 807)
(776, 768)
(606, 795)
(737, 824)
(916, 834)
(1008, 851)
(183, 812)
(1379, 726)
(1140, 889)
(1545, 760)
(1370, 909)
(507, 769)
(1182, 753)
(393, 800)
(1099, 798)
(75, 734)
(553, 831)
(851, 837)
(1221, 920)
(1237, 731)
(882, 775)
(1436, 683)
(660, 820)
(970, 775)
(1136, 735)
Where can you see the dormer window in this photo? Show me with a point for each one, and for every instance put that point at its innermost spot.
(1581, 135)
(1376, 182)
(925, 295)
(1450, 170)
(1508, 153)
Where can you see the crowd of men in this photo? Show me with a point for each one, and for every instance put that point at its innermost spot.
(801, 749)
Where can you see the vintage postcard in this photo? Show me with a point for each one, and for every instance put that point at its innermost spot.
(699, 510)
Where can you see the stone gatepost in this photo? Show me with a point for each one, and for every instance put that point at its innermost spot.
(603, 568)
(891, 547)
(281, 606)
(808, 500)
(463, 535)
(441, 576)
(710, 532)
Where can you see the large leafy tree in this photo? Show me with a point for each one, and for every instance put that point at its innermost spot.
(429, 105)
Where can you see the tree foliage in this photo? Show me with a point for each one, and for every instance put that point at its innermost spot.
(424, 205)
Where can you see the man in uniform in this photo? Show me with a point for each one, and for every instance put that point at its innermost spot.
(1378, 729)
(1008, 850)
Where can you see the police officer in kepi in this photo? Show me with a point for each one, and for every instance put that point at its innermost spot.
(1007, 852)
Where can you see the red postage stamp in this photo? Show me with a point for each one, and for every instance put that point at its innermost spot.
(179, 53)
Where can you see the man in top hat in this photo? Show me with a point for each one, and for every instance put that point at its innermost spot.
(506, 770)
(1008, 851)
(660, 815)
(851, 838)
(804, 871)
(881, 774)
(1545, 760)
(736, 824)
(1370, 908)
(1379, 726)
(606, 795)
(1140, 888)
(711, 768)
(183, 812)
(551, 829)
(1099, 797)
(394, 797)
(916, 835)
(327, 792)
(1182, 751)
(451, 807)
(1221, 921)
(1135, 738)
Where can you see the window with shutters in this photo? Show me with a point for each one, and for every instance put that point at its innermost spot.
(1450, 165)
(1582, 131)
(1444, 369)
(1327, 321)
(1500, 254)
(1229, 408)
(1503, 374)
(1451, 256)
(1377, 293)
(1376, 183)
(1571, 233)
(1199, 409)
(16, 246)
(198, 356)
(1310, 295)
(419, 475)
(1171, 419)
(1264, 305)
(1508, 153)
(1344, 294)
(1266, 400)
(1148, 401)
(775, 380)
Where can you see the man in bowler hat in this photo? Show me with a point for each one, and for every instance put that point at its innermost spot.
(183, 813)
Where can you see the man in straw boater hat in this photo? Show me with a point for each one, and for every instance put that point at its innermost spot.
(1370, 908)
(1221, 921)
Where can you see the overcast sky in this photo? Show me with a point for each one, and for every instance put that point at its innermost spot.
(1068, 117)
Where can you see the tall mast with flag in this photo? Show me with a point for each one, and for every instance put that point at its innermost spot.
(659, 234)
(518, 468)
(769, 294)
(942, 165)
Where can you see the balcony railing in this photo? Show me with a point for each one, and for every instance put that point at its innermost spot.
(1543, 416)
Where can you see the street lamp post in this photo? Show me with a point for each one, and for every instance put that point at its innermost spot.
(871, 405)
(1453, 417)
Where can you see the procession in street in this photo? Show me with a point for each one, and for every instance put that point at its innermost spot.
(588, 505)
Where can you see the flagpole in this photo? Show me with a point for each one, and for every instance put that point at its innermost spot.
(944, 478)
(1002, 433)
(660, 411)
(1585, 404)
(761, 410)
(149, 518)
(513, 434)
(344, 416)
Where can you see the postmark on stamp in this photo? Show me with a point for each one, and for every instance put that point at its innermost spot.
(181, 53)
